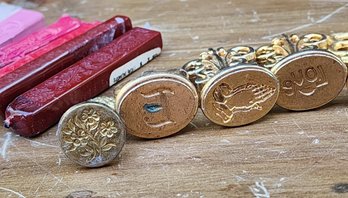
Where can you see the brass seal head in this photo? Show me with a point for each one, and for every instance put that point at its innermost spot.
(234, 91)
(91, 134)
(309, 79)
(309, 68)
(157, 104)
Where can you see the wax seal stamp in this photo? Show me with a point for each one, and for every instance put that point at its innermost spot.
(309, 79)
(310, 75)
(157, 104)
(234, 91)
(91, 133)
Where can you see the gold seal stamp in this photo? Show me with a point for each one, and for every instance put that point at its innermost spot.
(233, 90)
(91, 134)
(310, 75)
(309, 79)
(157, 104)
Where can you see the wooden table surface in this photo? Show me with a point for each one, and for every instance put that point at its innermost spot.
(285, 154)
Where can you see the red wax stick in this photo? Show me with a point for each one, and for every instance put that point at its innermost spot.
(41, 107)
(84, 27)
(40, 69)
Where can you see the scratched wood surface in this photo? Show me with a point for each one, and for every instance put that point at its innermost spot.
(286, 154)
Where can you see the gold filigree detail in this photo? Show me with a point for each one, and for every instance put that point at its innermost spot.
(201, 70)
(280, 47)
(88, 135)
(270, 55)
(338, 44)
(240, 55)
(312, 41)
(228, 103)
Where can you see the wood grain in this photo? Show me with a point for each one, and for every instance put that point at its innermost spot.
(286, 154)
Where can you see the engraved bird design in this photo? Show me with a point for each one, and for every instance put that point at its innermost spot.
(240, 99)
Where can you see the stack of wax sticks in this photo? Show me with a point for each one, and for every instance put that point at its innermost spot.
(44, 70)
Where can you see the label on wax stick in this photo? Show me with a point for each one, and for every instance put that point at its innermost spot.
(126, 69)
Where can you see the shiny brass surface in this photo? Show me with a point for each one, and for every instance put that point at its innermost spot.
(91, 134)
(311, 74)
(237, 91)
(309, 79)
(157, 104)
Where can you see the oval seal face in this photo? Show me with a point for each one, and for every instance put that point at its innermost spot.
(239, 95)
(309, 79)
(157, 105)
(91, 134)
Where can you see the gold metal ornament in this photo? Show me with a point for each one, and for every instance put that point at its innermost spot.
(157, 104)
(310, 75)
(91, 133)
(338, 44)
(233, 90)
(312, 41)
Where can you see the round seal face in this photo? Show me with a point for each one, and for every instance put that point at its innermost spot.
(157, 105)
(239, 95)
(309, 79)
(91, 134)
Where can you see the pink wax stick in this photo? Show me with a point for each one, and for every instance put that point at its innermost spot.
(7, 10)
(84, 27)
(17, 50)
(19, 25)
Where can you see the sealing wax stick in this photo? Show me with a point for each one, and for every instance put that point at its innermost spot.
(40, 69)
(19, 25)
(41, 107)
(19, 49)
(7, 10)
(84, 27)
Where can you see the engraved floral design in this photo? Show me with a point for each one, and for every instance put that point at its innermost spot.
(88, 135)
(90, 118)
(77, 139)
(108, 129)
